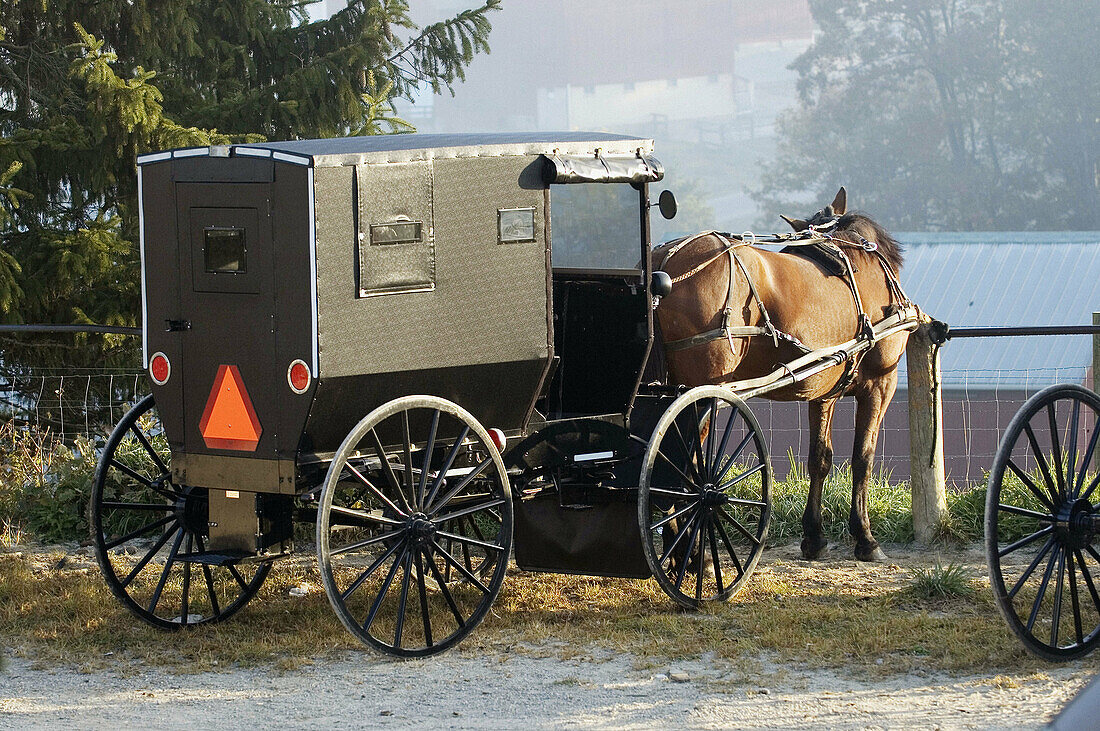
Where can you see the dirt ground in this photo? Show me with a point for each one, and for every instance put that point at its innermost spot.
(503, 689)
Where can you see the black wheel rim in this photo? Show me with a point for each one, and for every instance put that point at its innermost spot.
(705, 496)
(1042, 523)
(415, 527)
(145, 527)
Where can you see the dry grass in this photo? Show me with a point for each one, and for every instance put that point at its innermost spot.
(837, 614)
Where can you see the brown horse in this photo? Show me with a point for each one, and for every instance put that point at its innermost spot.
(820, 311)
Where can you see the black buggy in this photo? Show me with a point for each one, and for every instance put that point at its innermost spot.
(376, 335)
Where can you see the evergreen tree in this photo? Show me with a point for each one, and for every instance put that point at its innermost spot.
(85, 87)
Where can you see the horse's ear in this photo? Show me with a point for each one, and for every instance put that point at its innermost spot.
(840, 203)
(796, 223)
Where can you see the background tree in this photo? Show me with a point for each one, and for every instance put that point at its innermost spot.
(85, 87)
(946, 114)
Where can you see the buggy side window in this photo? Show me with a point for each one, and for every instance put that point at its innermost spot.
(396, 238)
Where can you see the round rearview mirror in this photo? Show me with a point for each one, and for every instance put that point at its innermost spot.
(667, 204)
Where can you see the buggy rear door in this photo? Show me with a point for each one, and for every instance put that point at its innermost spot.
(227, 304)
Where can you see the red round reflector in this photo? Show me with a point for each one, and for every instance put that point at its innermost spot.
(498, 438)
(159, 369)
(298, 376)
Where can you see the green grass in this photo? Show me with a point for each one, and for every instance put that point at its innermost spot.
(939, 581)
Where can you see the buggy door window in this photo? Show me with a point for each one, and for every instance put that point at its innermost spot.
(221, 239)
(396, 237)
(595, 227)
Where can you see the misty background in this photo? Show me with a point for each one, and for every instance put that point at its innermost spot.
(938, 115)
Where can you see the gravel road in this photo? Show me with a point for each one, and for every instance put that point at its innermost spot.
(456, 691)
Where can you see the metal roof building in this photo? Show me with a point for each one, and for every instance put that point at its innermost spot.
(1007, 278)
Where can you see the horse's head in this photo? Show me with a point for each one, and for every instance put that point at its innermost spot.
(823, 218)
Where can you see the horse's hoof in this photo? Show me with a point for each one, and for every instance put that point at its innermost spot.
(875, 556)
(814, 550)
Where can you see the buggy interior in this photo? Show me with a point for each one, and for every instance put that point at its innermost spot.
(601, 307)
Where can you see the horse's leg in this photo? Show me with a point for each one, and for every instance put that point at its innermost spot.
(814, 542)
(871, 403)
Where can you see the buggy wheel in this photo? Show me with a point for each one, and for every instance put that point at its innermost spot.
(704, 499)
(145, 527)
(1042, 521)
(414, 526)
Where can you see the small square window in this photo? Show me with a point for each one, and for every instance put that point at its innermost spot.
(224, 250)
(516, 225)
(397, 232)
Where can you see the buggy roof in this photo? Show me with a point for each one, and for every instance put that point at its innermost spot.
(339, 151)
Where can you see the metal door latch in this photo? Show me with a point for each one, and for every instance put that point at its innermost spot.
(177, 325)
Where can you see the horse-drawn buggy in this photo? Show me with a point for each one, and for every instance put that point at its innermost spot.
(377, 336)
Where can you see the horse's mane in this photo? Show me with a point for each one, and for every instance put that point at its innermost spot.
(864, 226)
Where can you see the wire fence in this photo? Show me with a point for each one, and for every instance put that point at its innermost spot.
(69, 402)
(977, 407)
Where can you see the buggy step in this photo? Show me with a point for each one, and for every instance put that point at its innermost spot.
(213, 558)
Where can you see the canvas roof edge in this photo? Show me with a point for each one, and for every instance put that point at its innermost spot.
(381, 149)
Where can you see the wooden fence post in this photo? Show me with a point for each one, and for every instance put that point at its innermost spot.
(925, 435)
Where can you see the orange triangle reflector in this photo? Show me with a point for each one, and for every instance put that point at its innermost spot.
(229, 421)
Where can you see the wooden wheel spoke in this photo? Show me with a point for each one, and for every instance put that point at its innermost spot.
(425, 468)
(408, 460)
(1088, 581)
(1024, 512)
(152, 608)
(733, 457)
(1001, 553)
(375, 491)
(720, 453)
(672, 493)
(366, 574)
(1031, 568)
(711, 456)
(423, 590)
(1071, 452)
(139, 532)
(185, 602)
(714, 556)
(673, 516)
(208, 576)
(1056, 452)
(675, 542)
(403, 600)
(1075, 602)
(445, 591)
(452, 454)
(704, 519)
(387, 470)
(149, 555)
(1056, 618)
(1039, 494)
(688, 550)
(361, 516)
(460, 568)
(742, 477)
(1087, 461)
(729, 548)
(378, 599)
(1040, 460)
(679, 471)
(149, 449)
(697, 442)
(689, 454)
(471, 542)
(432, 509)
(388, 535)
(159, 507)
(469, 510)
(1041, 594)
(132, 473)
(237, 577)
(738, 527)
